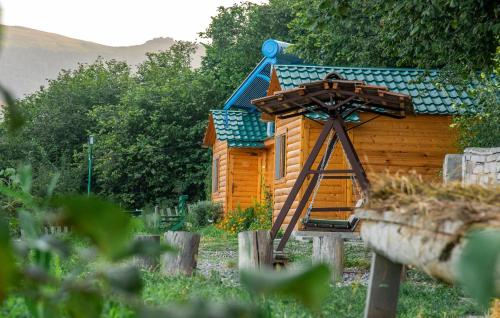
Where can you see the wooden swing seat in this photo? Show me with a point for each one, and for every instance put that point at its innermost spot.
(348, 225)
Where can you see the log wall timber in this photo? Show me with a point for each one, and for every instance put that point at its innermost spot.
(293, 129)
(245, 177)
(417, 143)
(220, 151)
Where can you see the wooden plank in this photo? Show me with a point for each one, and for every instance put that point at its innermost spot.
(383, 288)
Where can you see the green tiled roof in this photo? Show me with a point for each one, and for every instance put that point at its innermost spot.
(427, 98)
(240, 128)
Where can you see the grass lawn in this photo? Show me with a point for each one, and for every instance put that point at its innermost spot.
(217, 281)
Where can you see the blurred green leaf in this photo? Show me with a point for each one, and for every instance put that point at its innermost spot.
(105, 223)
(309, 286)
(478, 265)
(52, 185)
(203, 309)
(25, 176)
(13, 115)
(144, 248)
(8, 270)
(29, 224)
(126, 279)
(84, 303)
(49, 243)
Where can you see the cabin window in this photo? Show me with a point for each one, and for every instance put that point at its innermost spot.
(215, 175)
(279, 156)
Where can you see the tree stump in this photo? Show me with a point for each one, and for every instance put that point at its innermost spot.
(148, 262)
(329, 249)
(184, 260)
(255, 250)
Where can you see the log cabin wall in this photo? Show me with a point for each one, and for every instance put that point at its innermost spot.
(245, 177)
(220, 152)
(417, 143)
(292, 129)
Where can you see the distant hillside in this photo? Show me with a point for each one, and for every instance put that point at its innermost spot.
(29, 57)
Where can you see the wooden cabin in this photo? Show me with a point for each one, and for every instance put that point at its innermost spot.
(252, 154)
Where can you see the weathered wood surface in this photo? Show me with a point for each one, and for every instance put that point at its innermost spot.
(255, 250)
(433, 245)
(148, 262)
(383, 288)
(330, 250)
(414, 241)
(184, 260)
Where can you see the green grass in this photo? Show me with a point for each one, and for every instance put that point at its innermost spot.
(420, 296)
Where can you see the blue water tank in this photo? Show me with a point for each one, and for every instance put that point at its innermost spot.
(272, 48)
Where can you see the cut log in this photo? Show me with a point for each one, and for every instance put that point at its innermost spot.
(329, 249)
(148, 262)
(184, 260)
(255, 250)
(434, 247)
(434, 250)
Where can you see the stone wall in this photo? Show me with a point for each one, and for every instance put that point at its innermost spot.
(481, 166)
(475, 166)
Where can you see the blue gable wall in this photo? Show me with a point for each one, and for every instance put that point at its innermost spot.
(257, 82)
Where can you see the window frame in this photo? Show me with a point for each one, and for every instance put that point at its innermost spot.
(280, 156)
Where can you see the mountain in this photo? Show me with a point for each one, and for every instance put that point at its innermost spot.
(29, 57)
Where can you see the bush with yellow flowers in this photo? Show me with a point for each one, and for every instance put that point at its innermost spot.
(256, 217)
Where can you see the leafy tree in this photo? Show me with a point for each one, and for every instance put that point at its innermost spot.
(409, 33)
(479, 126)
(148, 146)
(58, 121)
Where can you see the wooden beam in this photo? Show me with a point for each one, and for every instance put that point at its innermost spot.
(383, 288)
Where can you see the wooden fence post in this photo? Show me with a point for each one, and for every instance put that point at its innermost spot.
(329, 249)
(383, 288)
(148, 262)
(255, 250)
(184, 260)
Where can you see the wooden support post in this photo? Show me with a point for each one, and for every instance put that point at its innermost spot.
(383, 288)
(255, 250)
(329, 249)
(184, 260)
(148, 262)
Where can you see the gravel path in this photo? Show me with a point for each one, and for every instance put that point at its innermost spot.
(222, 261)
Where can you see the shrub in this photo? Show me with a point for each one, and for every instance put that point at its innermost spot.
(263, 215)
(203, 213)
(256, 217)
(237, 220)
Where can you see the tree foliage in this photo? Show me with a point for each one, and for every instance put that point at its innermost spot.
(58, 121)
(478, 125)
(148, 145)
(409, 33)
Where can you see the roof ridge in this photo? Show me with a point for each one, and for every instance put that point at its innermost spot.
(360, 67)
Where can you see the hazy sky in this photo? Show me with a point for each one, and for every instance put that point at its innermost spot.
(114, 22)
